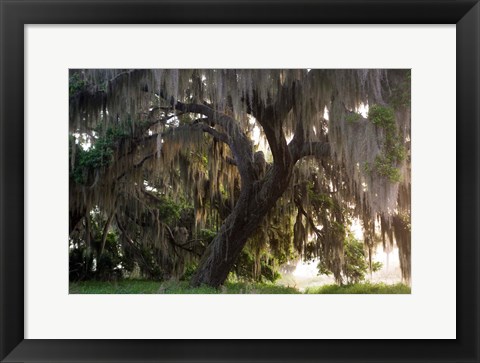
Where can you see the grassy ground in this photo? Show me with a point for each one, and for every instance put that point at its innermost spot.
(115, 287)
(365, 288)
(155, 287)
(181, 287)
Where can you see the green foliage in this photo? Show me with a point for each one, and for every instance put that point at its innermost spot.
(323, 270)
(338, 227)
(88, 263)
(321, 200)
(99, 155)
(353, 117)
(393, 150)
(269, 273)
(80, 262)
(401, 92)
(405, 218)
(382, 116)
(383, 166)
(207, 235)
(376, 266)
(88, 160)
(121, 257)
(364, 288)
(108, 264)
(355, 266)
(189, 271)
(169, 211)
(148, 260)
(76, 83)
(245, 266)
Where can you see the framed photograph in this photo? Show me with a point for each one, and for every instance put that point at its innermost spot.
(244, 181)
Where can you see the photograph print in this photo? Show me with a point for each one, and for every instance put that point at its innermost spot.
(239, 181)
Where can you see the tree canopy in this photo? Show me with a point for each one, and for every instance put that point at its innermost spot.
(204, 173)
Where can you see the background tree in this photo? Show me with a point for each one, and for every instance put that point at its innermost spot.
(355, 266)
(144, 141)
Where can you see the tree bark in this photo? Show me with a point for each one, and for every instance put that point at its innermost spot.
(257, 197)
(74, 217)
(255, 201)
(252, 206)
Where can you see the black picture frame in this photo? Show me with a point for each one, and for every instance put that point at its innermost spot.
(15, 14)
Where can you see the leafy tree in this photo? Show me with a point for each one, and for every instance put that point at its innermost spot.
(275, 162)
(355, 264)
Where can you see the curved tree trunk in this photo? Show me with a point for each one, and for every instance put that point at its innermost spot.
(257, 197)
(254, 203)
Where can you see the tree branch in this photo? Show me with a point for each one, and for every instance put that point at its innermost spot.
(136, 166)
(308, 217)
(220, 136)
(105, 231)
(176, 244)
(270, 118)
(239, 143)
(318, 149)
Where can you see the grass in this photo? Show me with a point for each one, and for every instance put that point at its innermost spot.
(170, 287)
(182, 287)
(363, 288)
(115, 287)
(229, 288)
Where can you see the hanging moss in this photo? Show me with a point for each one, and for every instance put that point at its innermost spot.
(144, 144)
(393, 153)
(401, 92)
